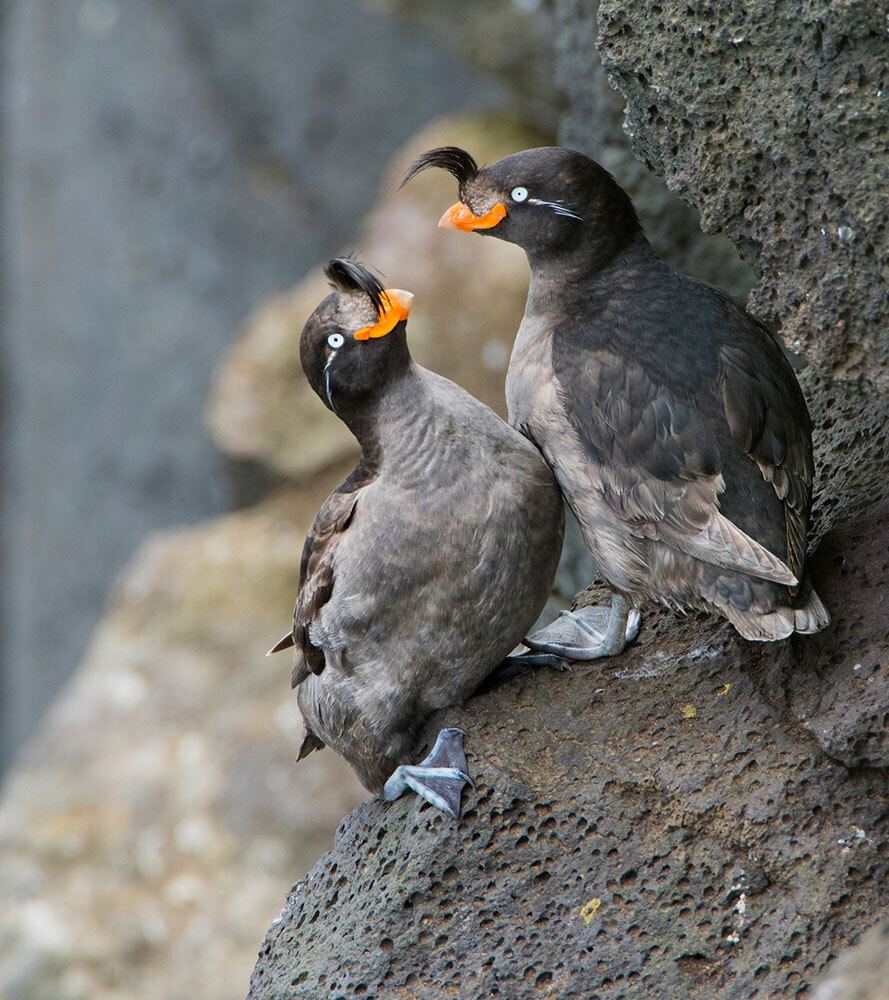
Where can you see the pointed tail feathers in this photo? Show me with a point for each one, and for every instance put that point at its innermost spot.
(770, 626)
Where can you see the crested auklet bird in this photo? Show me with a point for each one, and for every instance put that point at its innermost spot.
(425, 568)
(671, 417)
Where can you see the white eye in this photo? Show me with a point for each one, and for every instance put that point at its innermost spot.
(336, 340)
(519, 194)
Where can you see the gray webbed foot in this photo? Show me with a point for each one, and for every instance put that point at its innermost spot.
(590, 633)
(438, 778)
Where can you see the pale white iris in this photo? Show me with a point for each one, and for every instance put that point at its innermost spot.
(336, 340)
(519, 194)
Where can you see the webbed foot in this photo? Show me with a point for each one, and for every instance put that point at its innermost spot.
(588, 634)
(438, 778)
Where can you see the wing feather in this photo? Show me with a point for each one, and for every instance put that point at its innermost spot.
(769, 421)
(317, 571)
(660, 464)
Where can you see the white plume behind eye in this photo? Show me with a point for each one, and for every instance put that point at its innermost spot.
(336, 340)
(519, 194)
(557, 207)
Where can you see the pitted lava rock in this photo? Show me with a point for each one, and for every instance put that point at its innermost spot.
(659, 825)
(772, 119)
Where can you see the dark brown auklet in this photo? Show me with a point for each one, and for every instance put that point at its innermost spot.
(425, 568)
(672, 419)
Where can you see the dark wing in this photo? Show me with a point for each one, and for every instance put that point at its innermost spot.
(316, 578)
(659, 464)
(769, 421)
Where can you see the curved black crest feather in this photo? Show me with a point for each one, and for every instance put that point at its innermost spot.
(451, 158)
(347, 275)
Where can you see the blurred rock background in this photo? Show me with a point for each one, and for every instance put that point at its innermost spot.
(172, 176)
(165, 165)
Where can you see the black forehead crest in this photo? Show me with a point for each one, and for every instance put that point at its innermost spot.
(451, 158)
(347, 275)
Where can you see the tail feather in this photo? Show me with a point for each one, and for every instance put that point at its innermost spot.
(812, 617)
(770, 626)
(759, 627)
(310, 742)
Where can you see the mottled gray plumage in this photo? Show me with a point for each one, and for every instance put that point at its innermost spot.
(427, 566)
(671, 418)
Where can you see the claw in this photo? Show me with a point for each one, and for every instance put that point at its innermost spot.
(518, 664)
(634, 620)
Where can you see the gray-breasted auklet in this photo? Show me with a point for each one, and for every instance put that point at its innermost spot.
(672, 419)
(425, 568)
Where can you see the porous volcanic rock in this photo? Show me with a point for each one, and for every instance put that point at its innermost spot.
(659, 825)
(772, 119)
(592, 124)
(836, 683)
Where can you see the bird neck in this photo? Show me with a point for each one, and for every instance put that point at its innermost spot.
(558, 280)
(387, 424)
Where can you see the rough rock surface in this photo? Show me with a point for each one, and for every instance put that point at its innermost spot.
(851, 417)
(592, 124)
(146, 833)
(659, 826)
(714, 145)
(847, 710)
(772, 119)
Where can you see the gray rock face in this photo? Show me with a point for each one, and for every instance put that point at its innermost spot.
(845, 710)
(659, 826)
(701, 114)
(165, 166)
(772, 120)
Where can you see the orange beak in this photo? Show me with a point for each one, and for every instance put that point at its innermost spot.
(460, 216)
(396, 306)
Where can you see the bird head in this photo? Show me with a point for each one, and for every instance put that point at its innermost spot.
(355, 341)
(548, 200)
